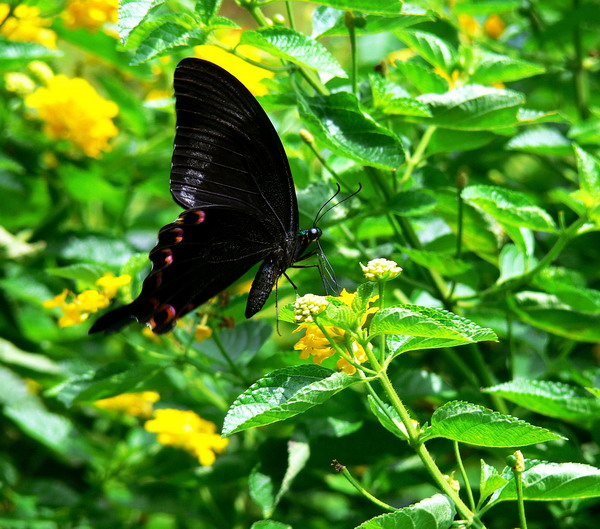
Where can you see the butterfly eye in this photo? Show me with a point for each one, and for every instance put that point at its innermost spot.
(313, 234)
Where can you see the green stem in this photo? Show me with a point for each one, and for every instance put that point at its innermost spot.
(463, 473)
(234, 368)
(424, 454)
(349, 358)
(239, 55)
(381, 302)
(579, 75)
(346, 473)
(290, 13)
(417, 157)
(349, 19)
(520, 502)
(552, 254)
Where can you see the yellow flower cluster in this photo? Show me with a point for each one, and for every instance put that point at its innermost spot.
(250, 75)
(77, 308)
(136, 404)
(24, 24)
(90, 14)
(72, 110)
(187, 430)
(308, 306)
(314, 343)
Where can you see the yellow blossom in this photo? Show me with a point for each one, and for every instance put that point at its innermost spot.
(56, 301)
(18, 83)
(314, 343)
(157, 95)
(90, 14)
(401, 55)
(110, 284)
(250, 75)
(72, 315)
(187, 430)
(494, 26)
(73, 110)
(451, 79)
(469, 25)
(91, 301)
(203, 332)
(24, 24)
(136, 404)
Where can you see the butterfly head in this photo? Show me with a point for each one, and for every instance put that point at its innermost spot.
(312, 234)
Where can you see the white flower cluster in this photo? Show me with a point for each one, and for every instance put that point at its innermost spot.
(380, 270)
(308, 306)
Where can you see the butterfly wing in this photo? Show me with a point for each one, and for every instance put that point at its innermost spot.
(227, 152)
(196, 257)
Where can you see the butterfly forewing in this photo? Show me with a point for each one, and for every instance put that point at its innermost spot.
(227, 152)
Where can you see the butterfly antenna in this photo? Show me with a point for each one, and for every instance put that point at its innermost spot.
(318, 215)
(321, 215)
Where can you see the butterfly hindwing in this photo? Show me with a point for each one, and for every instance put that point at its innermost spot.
(196, 257)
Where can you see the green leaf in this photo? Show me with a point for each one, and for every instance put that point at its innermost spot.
(270, 524)
(544, 481)
(487, 68)
(472, 424)
(11, 354)
(531, 117)
(587, 132)
(262, 490)
(589, 175)
(514, 263)
(132, 13)
(579, 298)
(414, 320)
(410, 203)
(433, 49)
(329, 22)
(108, 381)
(553, 399)
(436, 512)
(542, 140)
(381, 7)
(362, 297)
(413, 75)
(549, 313)
(393, 99)
(388, 417)
(295, 47)
(440, 262)
(446, 140)
(207, 9)
(490, 480)
(486, 7)
(282, 394)
(474, 107)
(298, 455)
(509, 207)
(17, 54)
(339, 123)
(86, 273)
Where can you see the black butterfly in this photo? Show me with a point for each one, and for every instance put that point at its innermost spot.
(230, 172)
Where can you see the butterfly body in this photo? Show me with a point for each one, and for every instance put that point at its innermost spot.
(231, 175)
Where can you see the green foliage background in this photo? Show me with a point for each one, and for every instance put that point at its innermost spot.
(477, 155)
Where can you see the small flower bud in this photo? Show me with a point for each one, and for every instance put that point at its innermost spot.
(349, 19)
(309, 306)
(462, 178)
(516, 461)
(18, 83)
(381, 270)
(268, 22)
(454, 484)
(360, 22)
(40, 70)
(278, 19)
(306, 136)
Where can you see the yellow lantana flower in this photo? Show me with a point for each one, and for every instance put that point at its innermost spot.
(24, 24)
(314, 343)
(90, 14)
(187, 430)
(250, 75)
(494, 26)
(202, 332)
(110, 284)
(72, 110)
(136, 404)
